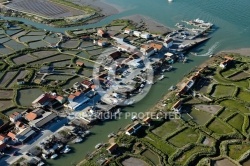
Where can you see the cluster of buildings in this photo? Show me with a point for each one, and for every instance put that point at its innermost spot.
(24, 126)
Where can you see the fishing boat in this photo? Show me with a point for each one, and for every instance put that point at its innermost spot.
(78, 140)
(185, 60)
(87, 132)
(98, 145)
(210, 56)
(54, 156)
(134, 118)
(67, 150)
(111, 135)
(172, 88)
(161, 77)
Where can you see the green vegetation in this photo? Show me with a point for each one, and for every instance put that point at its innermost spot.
(151, 156)
(222, 91)
(184, 137)
(26, 96)
(219, 127)
(159, 144)
(181, 160)
(244, 96)
(237, 122)
(234, 105)
(236, 151)
(200, 117)
(167, 128)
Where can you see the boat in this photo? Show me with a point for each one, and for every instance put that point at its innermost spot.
(45, 156)
(129, 102)
(172, 88)
(111, 135)
(54, 156)
(41, 164)
(185, 60)
(98, 145)
(199, 21)
(87, 132)
(67, 150)
(210, 56)
(78, 140)
(134, 118)
(161, 77)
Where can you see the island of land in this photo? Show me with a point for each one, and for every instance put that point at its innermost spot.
(213, 106)
(51, 90)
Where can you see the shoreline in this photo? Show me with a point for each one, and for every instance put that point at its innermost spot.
(240, 51)
(150, 24)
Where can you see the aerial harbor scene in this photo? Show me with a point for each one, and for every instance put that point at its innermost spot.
(124, 83)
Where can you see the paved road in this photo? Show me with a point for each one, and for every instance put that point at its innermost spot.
(48, 130)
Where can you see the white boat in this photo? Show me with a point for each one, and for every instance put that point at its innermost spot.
(211, 55)
(67, 150)
(87, 132)
(128, 102)
(98, 145)
(171, 88)
(134, 118)
(41, 164)
(111, 135)
(161, 77)
(45, 156)
(54, 156)
(199, 21)
(78, 140)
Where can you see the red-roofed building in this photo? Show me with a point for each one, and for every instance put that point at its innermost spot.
(147, 120)
(80, 64)
(11, 135)
(71, 97)
(61, 99)
(87, 83)
(31, 116)
(177, 106)
(112, 148)
(156, 45)
(130, 131)
(43, 100)
(101, 33)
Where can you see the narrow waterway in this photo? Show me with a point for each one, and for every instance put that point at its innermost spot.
(231, 31)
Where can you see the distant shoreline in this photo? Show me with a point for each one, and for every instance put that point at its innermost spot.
(242, 51)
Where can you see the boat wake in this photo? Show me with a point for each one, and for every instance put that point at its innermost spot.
(210, 50)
